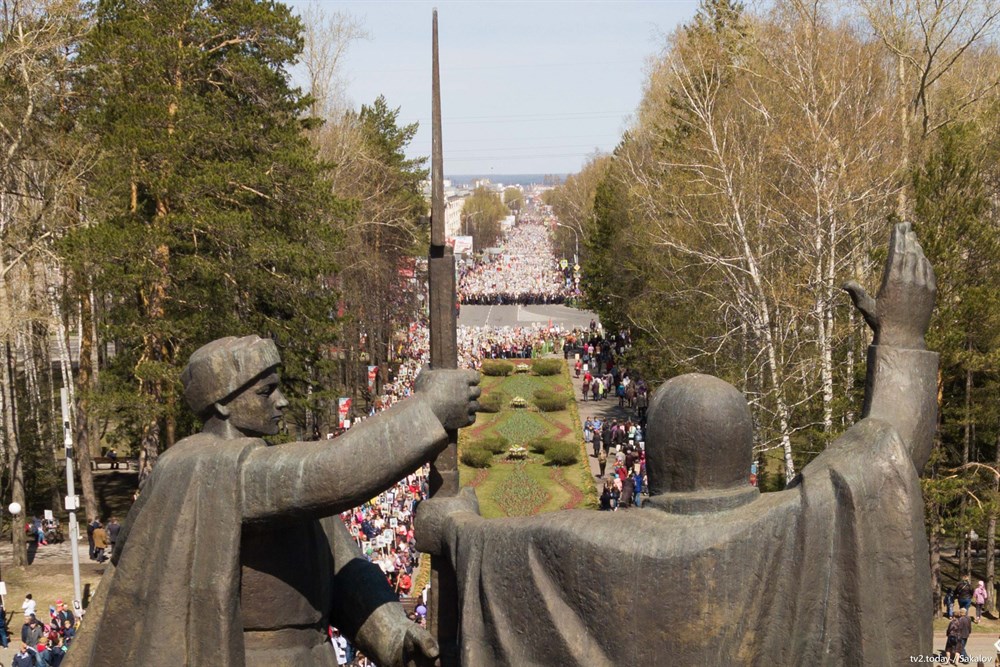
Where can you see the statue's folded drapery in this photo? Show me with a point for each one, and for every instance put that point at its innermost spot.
(808, 575)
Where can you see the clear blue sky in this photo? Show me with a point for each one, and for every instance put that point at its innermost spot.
(527, 87)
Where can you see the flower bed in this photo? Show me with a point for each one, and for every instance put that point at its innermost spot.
(520, 494)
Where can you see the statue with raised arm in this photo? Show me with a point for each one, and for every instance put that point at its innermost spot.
(234, 554)
(831, 571)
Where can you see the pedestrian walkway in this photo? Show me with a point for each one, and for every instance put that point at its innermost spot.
(606, 409)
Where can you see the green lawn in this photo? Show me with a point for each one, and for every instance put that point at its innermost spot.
(532, 486)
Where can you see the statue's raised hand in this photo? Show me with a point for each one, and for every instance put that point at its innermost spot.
(451, 394)
(902, 312)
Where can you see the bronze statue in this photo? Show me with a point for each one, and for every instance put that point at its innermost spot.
(234, 554)
(831, 571)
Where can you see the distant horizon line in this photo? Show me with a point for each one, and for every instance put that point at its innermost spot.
(532, 176)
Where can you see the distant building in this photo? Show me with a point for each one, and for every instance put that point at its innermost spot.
(453, 214)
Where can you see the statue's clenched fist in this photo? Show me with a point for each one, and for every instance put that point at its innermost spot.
(451, 394)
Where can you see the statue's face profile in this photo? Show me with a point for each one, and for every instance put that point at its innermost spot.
(258, 409)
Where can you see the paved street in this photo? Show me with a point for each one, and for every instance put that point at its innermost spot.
(512, 316)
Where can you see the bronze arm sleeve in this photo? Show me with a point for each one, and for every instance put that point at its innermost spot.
(322, 478)
(901, 389)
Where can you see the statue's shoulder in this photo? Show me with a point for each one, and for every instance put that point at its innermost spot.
(201, 446)
(869, 445)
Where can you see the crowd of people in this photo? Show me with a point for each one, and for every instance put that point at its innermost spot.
(523, 272)
(383, 529)
(618, 443)
(476, 344)
(45, 639)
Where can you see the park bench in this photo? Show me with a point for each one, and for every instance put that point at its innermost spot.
(123, 463)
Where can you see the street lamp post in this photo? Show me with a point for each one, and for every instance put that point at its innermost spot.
(72, 500)
(15, 510)
(576, 235)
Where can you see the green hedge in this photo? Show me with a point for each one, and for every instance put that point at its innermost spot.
(547, 366)
(492, 402)
(542, 445)
(497, 368)
(549, 401)
(562, 454)
(476, 457)
(495, 444)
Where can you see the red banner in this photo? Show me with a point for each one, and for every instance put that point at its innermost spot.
(343, 410)
(372, 375)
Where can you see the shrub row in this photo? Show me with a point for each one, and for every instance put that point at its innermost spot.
(558, 453)
(491, 402)
(495, 444)
(562, 454)
(476, 457)
(547, 366)
(542, 445)
(497, 368)
(549, 401)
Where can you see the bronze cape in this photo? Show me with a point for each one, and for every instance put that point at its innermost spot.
(803, 576)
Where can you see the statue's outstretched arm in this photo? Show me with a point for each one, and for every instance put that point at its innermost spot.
(322, 478)
(901, 384)
(367, 610)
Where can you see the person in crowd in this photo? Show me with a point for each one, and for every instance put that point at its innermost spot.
(100, 543)
(23, 658)
(38, 531)
(4, 638)
(606, 496)
(28, 606)
(113, 528)
(91, 525)
(963, 593)
(964, 631)
(953, 643)
(64, 615)
(339, 645)
(949, 601)
(979, 597)
(43, 656)
(31, 631)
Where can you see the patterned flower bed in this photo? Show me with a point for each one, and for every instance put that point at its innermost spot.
(521, 427)
(513, 487)
(519, 494)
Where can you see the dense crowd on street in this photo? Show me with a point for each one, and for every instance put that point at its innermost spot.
(524, 342)
(523, 272)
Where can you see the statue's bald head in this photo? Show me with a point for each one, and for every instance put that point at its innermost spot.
(221, 368)
(699, 436)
